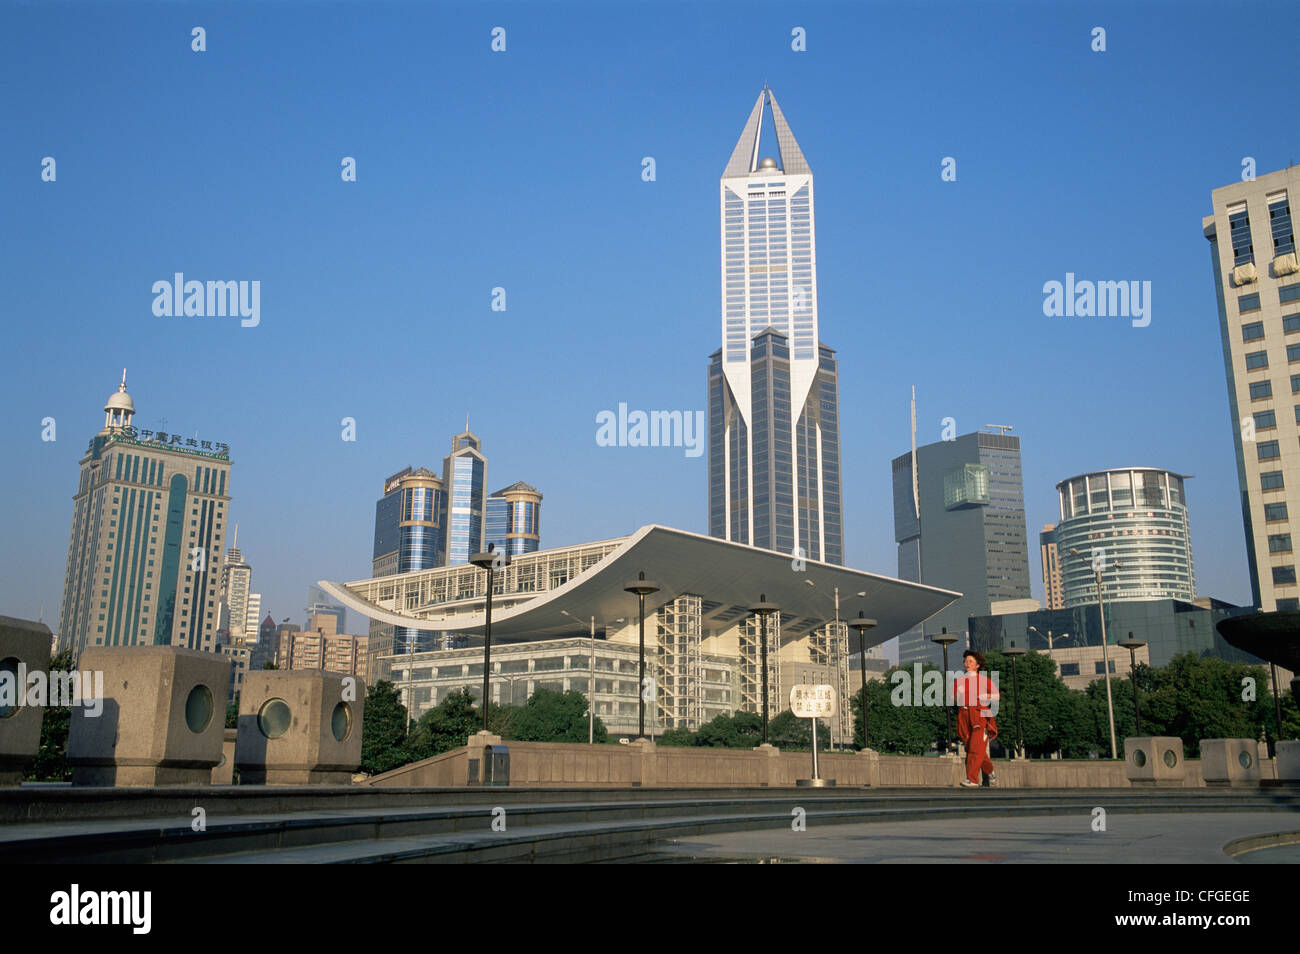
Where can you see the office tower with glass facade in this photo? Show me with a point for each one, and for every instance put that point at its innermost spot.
(1053, 593)
(1132, 516)
(959, 521)
(1257, 284)
(409, 520)
(144, 554)
(514, 519)
(464, 479)
(774, 464)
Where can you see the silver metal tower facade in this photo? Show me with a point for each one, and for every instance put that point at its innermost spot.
(774, 449)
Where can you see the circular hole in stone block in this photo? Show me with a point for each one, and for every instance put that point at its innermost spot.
(10, 691)
(341, 721)
(1245, 759)
(1139, 758)
(198, 708)
(1171, 757)
(274, 718)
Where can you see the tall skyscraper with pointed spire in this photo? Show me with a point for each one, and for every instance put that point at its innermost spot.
(774, 432)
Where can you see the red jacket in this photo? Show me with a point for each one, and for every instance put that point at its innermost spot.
(973, 695)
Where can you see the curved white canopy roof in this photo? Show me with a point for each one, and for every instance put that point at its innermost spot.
(730, 577)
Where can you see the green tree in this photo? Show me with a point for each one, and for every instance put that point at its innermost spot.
(446, 726)
(51, 762)
(898, 720)
(679, 737)
(1048, 713)
(269, 665)
(788, 731)
(551, 716)
(383, 730)
(232, 714)
(741, 730)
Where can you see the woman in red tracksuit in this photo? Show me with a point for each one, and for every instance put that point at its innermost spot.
(976, 726)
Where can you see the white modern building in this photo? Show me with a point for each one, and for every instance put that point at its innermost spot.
(1257, 284)
(1132, 523)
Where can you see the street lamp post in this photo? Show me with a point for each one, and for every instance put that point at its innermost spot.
(862, 625)
(945, 640)
(1133, 645)
(642, 588)
(838, 722)
(591, 680)
(1098, 567)
(763, 609)
(1015, 653)
(488, 560)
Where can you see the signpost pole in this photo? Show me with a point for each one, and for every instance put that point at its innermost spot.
(815, 773)
(813, 703)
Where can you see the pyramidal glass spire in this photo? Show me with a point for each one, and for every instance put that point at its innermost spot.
(744, 158)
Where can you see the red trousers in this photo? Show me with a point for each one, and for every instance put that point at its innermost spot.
(977, 755)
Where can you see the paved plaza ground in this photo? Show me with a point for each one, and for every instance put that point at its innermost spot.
(1183, 838)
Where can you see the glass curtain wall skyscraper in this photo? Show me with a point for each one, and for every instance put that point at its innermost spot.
(464, 478)
(514, 519)
(959, 520)
(774, 464)
(409, 522)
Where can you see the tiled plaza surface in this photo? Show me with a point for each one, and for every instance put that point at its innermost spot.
(1183, 838)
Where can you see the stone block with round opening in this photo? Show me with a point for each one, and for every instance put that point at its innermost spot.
(24, 650)
(299, 727)
(161, 721)
(1230, 762)
(1154, 761)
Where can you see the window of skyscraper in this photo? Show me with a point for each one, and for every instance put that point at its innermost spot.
(1274, 511)
(1293, 352)
(1288, 293)
(1261, 389)
(1290, 323)
(1265, 420)
(1252, 331)
(1249, 302)
(1284, 574)
(1239, 229)
(1267, 450)
(1279, 217)
(1256, 360)
(1279, 543)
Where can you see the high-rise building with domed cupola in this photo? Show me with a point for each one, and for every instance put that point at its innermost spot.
(144, 556)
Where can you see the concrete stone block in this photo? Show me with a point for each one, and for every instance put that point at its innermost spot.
(162, 721)
(1232, 762)
(297, 728)
(224, 773)
(1288, 761)
(1154, 761)
(24, 647)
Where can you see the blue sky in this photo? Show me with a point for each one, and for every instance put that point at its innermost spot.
(522, 169)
